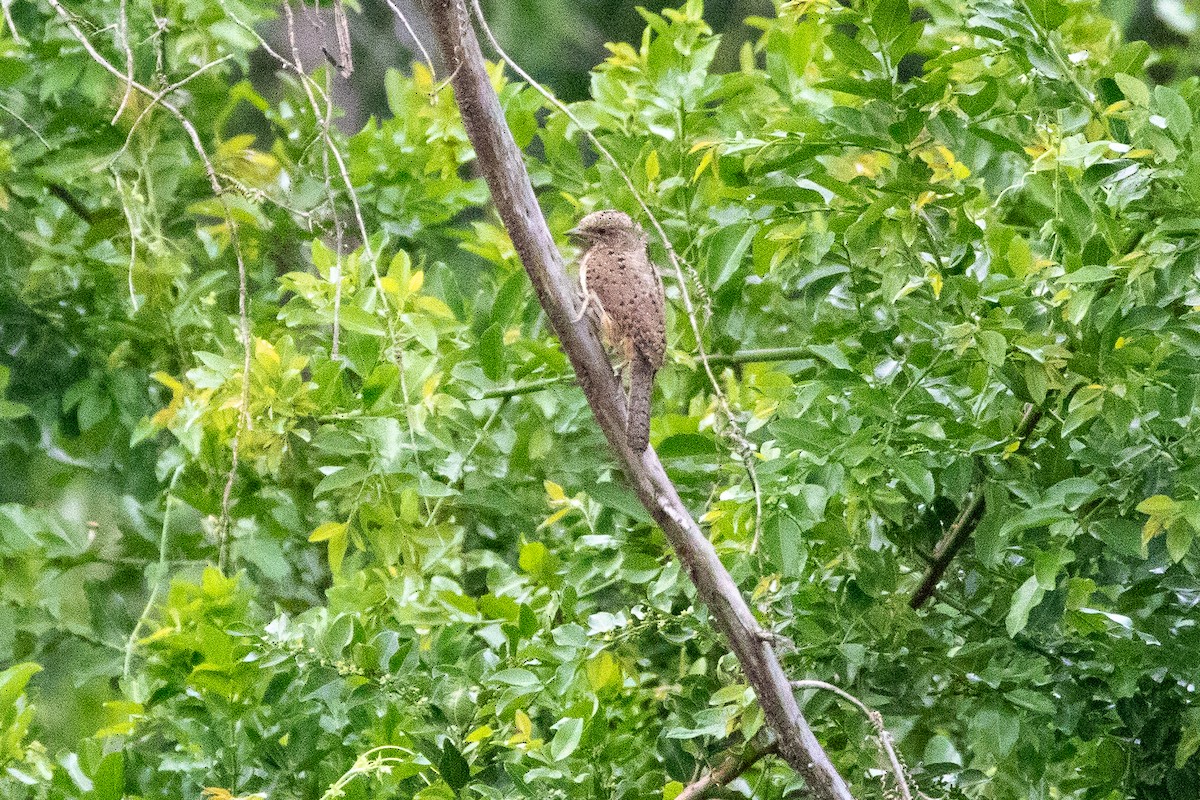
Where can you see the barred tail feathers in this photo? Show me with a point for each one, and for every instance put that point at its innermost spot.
(641, 384)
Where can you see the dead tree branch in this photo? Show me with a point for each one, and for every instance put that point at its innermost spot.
(965, 524)
(730, 770)
(501, 163)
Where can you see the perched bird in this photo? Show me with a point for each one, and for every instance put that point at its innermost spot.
(617, 277)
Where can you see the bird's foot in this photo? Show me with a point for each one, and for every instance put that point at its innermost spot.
(588, 299)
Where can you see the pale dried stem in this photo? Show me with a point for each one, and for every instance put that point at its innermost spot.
(235, 243)
(123, 45)
(325, 121)
(413, 34)
(342, 30)
(876, 720)
(158, 577)
(339, 232)
(157, 100)
(312, 88)
(133, 236)
(6, 5)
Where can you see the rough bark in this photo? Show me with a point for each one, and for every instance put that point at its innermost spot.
(501, 163)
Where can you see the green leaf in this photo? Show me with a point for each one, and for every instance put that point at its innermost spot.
(1158, 505)
(685, 445)
(916, 477)
(1189, 741)
(976, 102)
(890, 18)
(1039, 516)
(851, 52)
(995, 733)
(1179, 541)
(1134, 89)
(534, 556)
(729, 245)
(491, 352)
(340, 478)
(1024, 600)
(878, 89)
(11, 410)
(1175, 110)
(1031, 700)
(619, 498)
(939, 750)
(1123, 536)
(109, 780)
(515, 677)
(453, 768)
(831, 353)
(779, 195)
(566, 738)
(13, 681)
(783, 544)
(1048, 13)
(992, 347)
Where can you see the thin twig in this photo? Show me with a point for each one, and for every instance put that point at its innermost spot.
(159, 575)
(124, 46)
(188, 127)
(762, 355)
(876, 720)
(412, 33)
(395, 349)
(377, 759)
(12, 26)
(759, 356)
(341, 29)
(339, 227)
(1070, 72)
(157, 100)
(72, 202)
(133, 236)
(479, 437)
(526, 388)
(21, 120)
(325, 120)
(1021, 640)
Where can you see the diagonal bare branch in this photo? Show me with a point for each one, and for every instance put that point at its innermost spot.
(731, 769)
(502, 164)
(967, 521)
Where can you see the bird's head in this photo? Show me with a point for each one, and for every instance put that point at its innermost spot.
(606, 226)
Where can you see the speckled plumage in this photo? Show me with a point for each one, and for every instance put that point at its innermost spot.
(616, 270)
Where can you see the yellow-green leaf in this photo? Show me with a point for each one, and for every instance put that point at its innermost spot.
(327, 531)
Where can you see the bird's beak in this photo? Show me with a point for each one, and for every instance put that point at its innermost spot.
(575, 234)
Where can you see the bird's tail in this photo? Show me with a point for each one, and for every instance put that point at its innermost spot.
(641, 383)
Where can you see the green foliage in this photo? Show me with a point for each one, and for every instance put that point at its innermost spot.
(927, 221)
